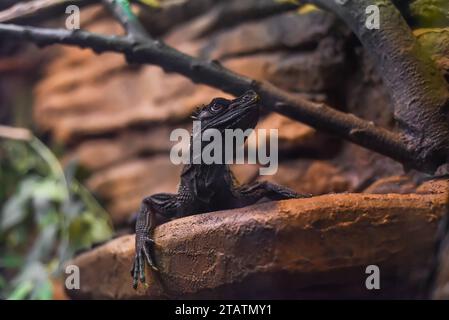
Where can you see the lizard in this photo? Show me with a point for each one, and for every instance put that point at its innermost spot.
(204, 187)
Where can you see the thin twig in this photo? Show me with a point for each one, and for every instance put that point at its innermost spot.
(121, 10)
(12, 133)
(38, 8)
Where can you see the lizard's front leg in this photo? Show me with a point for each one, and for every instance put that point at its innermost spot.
(163, 204)
(251, 193)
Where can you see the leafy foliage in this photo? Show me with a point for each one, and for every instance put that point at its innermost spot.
(45, 217)
(430, 13)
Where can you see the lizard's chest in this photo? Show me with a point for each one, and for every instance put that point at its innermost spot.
(208, 189)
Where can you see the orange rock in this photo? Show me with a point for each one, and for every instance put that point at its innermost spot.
(127, 183)
(297, 138)
(393, 184)
(434, 186)
(95, 154)
(311, 177)
(272, 33)
(315, 247)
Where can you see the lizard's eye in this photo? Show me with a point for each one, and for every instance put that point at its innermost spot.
(216, 107)
(246, 98)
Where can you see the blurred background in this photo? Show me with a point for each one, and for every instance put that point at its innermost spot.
(94, 137)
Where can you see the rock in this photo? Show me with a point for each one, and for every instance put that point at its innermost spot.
(305, 72)
(440, 289)
(310, 177)
(303, 248)
(273, 33)
(312, 71)
(429, 13)
(297, 138)
(434, 186)
(392, 184)
(96, 154)
(150, 97)
(436, 42)
(362, 167)
(126, 184)
(71, 102)
(366, 95)
(441, 286)
(224, 15)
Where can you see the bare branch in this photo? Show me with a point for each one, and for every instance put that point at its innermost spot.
(211, 73)
(12, 133)
(418, 89)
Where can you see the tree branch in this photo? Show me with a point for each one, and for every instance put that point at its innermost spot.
(418, 89)
(211, 73)
(12, 133)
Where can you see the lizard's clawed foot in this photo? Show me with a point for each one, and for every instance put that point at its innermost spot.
(269, 190)
(282, 192)
(144, 251)
(287, 193)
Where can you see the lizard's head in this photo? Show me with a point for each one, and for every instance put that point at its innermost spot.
(239, 113)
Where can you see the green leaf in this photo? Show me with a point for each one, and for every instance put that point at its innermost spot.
(43, 245)
(2, 283)
(21, 291)
(430, 13)
(15, 209)
(32, 282)
(33, 184)
(44, 291)
(49, 189)
(11, 261)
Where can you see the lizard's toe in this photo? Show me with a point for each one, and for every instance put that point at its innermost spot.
(135, 272)
(148, 249)
(141, 268)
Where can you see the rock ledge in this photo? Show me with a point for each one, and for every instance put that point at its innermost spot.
(302, 248)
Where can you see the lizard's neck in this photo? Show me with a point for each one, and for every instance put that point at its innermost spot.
(198, 170)
(197, 158)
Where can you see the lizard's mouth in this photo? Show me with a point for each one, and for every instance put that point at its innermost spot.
(242, 113)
